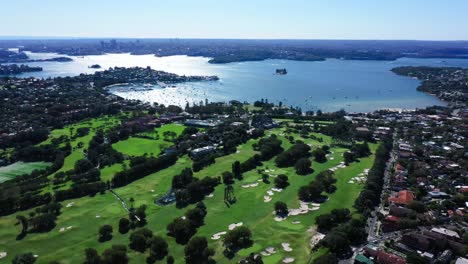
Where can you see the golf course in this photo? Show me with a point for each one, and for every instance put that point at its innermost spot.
(276, 239)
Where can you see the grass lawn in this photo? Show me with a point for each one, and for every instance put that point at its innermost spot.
(20, 168)
(250, 208)
(136, 146)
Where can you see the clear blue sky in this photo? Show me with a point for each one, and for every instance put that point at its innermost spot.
(303, 19)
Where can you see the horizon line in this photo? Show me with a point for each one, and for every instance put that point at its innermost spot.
(25, 37)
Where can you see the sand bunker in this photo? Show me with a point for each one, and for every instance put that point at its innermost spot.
(270, 250)
(286, 247)
(3, 255)
(288, 260)
(279, 219)
(232, 226)
(315, 239)
(296, 222)
(210, 195)
(70, 204)
(266, 199)
(218, 235)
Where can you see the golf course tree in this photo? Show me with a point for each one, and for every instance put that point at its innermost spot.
(357, 151)
(252, 259)
(310, 192)
(198, 252)
(24, 226)
(336, 217)
(337, 243)
(203, 162)
(237, 239)
(124, 225)
(370, 196)
(182, 230)
(303, 166)
(92, 256)
(281, 181)
(158, 249)
(197, 215)
(190, 190)
(327, 258)
(41, 220)
(326, 179)
(348, 158)
(251, 163)
(140, 216)
(281, 209)
(117, 254)
(25, 258)
(268, 147)
(289, 157)
(148, 166)
(236, 170)
(105, 233)
(170, 260)
(228, 178)
(140, 239)
(320, 155)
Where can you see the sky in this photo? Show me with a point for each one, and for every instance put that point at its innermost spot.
(245, 19)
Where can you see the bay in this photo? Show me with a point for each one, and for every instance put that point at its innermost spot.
(330, 85)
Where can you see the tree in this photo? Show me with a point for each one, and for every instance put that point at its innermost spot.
(228, 178)
(158, 248)
(140, 213)
(252, 259)
(117, 254)
(302, 166)
(326, 259)
(92, 256)
(105, 233)
(281, 208)
(26, 258)
(348, 157)
(236, 170)
(337, 242)
(181, 229)
(320, 155)
(417, 206)
(170, 260)
(281, 181)
(238, 238)
(82, 166)
(311, 192)
(24, 226)
(124, 225)
(196, 216)
(197, 252)
(139, 240)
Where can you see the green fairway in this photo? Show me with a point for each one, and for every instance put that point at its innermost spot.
(85, 215)
(152, 145)
(20, 168)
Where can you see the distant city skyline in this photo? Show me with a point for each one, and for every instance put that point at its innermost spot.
(241, 19)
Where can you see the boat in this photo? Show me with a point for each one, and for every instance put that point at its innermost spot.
(281, 71)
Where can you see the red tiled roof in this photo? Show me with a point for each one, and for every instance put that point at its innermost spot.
(392, 218)
(399, 167)
(387, 258)
(402, 197)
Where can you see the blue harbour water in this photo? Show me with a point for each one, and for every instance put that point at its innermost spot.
(356, 86)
